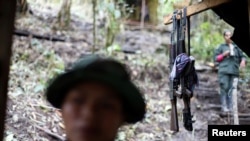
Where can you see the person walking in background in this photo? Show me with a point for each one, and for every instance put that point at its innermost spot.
(96, 97)
(230, 59)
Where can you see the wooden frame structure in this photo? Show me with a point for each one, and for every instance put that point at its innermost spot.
(234, 12)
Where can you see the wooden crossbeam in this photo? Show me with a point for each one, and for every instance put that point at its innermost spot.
(197, 8)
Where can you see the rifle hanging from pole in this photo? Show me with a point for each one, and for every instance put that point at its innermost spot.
(183, 76)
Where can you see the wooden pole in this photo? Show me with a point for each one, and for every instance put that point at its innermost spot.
(7, 18)
(235, 103)
(197, 8)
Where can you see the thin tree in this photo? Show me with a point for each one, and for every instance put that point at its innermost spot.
(94, 25)
(64, 16)
(143, 4)
(22, 7)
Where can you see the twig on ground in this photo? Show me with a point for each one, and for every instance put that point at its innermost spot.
(50, 133)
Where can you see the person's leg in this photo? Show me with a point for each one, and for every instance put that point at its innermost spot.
(229, 94)
(233, 88)
(223, 103)
(223, 80)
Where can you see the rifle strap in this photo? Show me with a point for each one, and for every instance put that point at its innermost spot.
(186, 25)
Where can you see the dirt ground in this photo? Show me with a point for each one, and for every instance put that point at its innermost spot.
(31, 118)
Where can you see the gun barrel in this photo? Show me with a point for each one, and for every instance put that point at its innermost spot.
(174, 126)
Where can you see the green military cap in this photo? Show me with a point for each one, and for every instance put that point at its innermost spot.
(101, 69)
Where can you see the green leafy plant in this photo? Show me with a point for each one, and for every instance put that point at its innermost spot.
(113, 48)
(165, 8)
(115, 12)
(204, 41)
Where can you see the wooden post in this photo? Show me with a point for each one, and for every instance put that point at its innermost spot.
(235, 103)
(7, 18)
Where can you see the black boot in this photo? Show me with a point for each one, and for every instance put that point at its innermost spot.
(187, 120)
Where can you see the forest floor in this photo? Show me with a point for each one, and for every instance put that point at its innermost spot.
(34, 61)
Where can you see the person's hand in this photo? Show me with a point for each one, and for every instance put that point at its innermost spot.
(226, 53)
(243, 63)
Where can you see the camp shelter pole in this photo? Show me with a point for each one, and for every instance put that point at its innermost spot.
(234, 101)
(7, 19)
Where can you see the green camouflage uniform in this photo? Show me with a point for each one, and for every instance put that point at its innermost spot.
(228, 71)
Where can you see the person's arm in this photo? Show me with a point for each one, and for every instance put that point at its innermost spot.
(243, 58)
(219, 55)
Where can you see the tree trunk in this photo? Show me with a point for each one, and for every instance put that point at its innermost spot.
(143, 4)
(64, 16)
(109, 37)
(94, 25)
(22, 7)
(112, 27)
(153, 11)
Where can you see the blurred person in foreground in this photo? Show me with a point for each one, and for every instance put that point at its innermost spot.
(230, 59)
(96, 97)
